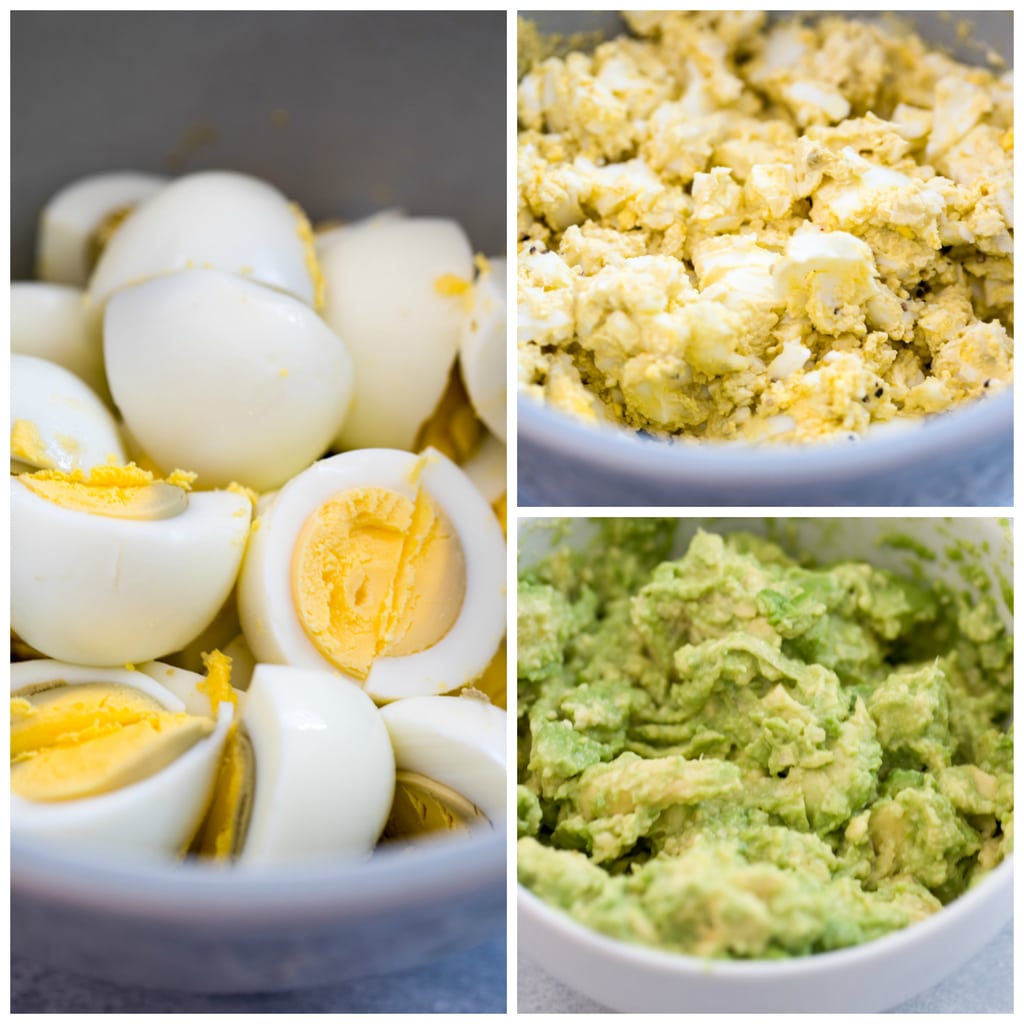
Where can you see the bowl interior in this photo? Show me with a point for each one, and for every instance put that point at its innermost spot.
(740, 473)
(870, 976)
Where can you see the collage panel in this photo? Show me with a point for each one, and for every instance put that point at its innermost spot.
(765, 259)
(765, 262)
(765, 764)
(258, 506)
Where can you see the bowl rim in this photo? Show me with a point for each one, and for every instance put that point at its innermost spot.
(394, 878)
(687, 966)
(729, 464)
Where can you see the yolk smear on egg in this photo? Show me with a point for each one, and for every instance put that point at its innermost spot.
(453, 428)
(377, 574)
(452, 284)
(501, 511)
(305, 230)
(105, 232)
(121, 492)
(70, 742)
(27, 444)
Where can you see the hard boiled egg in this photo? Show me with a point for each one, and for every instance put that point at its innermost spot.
(70, 222)
(380, 566)
(487, 468)
(214, 219)
(51, 321)
(458, 742)
(397, 289)
(234, 380)
(324, 769)
(482, 349)
(109, 759)
(57, 420)
(117, 567)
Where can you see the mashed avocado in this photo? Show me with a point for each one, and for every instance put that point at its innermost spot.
(737, 754)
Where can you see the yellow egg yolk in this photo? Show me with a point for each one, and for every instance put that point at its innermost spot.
(306, 235)
(121, 492)
(494, 682)
(453, 428)
(376, 574)
(70, 742)
(27, 444)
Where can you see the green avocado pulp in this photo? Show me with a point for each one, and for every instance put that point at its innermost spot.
(734, 755)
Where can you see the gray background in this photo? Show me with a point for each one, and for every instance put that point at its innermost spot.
(470, 981)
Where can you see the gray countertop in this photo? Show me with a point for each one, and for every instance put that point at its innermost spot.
(472, 981)
(982, 985)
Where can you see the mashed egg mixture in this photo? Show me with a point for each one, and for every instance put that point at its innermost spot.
(730, 229)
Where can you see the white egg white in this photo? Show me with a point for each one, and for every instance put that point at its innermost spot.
(266, 609)
(52, 321)
(213, 219)
(385, 294)
(482, 349)
(457, 741)
(74, 429)
(325, 771)
(487, 467)
(98, 590)
(71, 218)
(154, 817)
(231, 380)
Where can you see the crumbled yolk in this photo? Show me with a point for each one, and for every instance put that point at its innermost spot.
(70, 742)
(376, 574)
(223, 829)
(121, 492)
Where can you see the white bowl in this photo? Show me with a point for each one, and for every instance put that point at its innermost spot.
(347, 114)
(867, 978)
(962, 457)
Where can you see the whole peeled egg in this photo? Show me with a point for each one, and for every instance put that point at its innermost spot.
(108, 759)
(213, 220)
(238, 382)
(57, 420)
(380, 566)
(397, 289)
(116, 566)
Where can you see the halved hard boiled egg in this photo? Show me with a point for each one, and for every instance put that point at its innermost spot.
(72, 219)
(381, 566)
(107, 758)
(51, 321)
(214, 219)
(234, 380)
(397, 289)
(450, 758)
(116, 566)
(57, 420)
(323, 764)
(482, 349)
